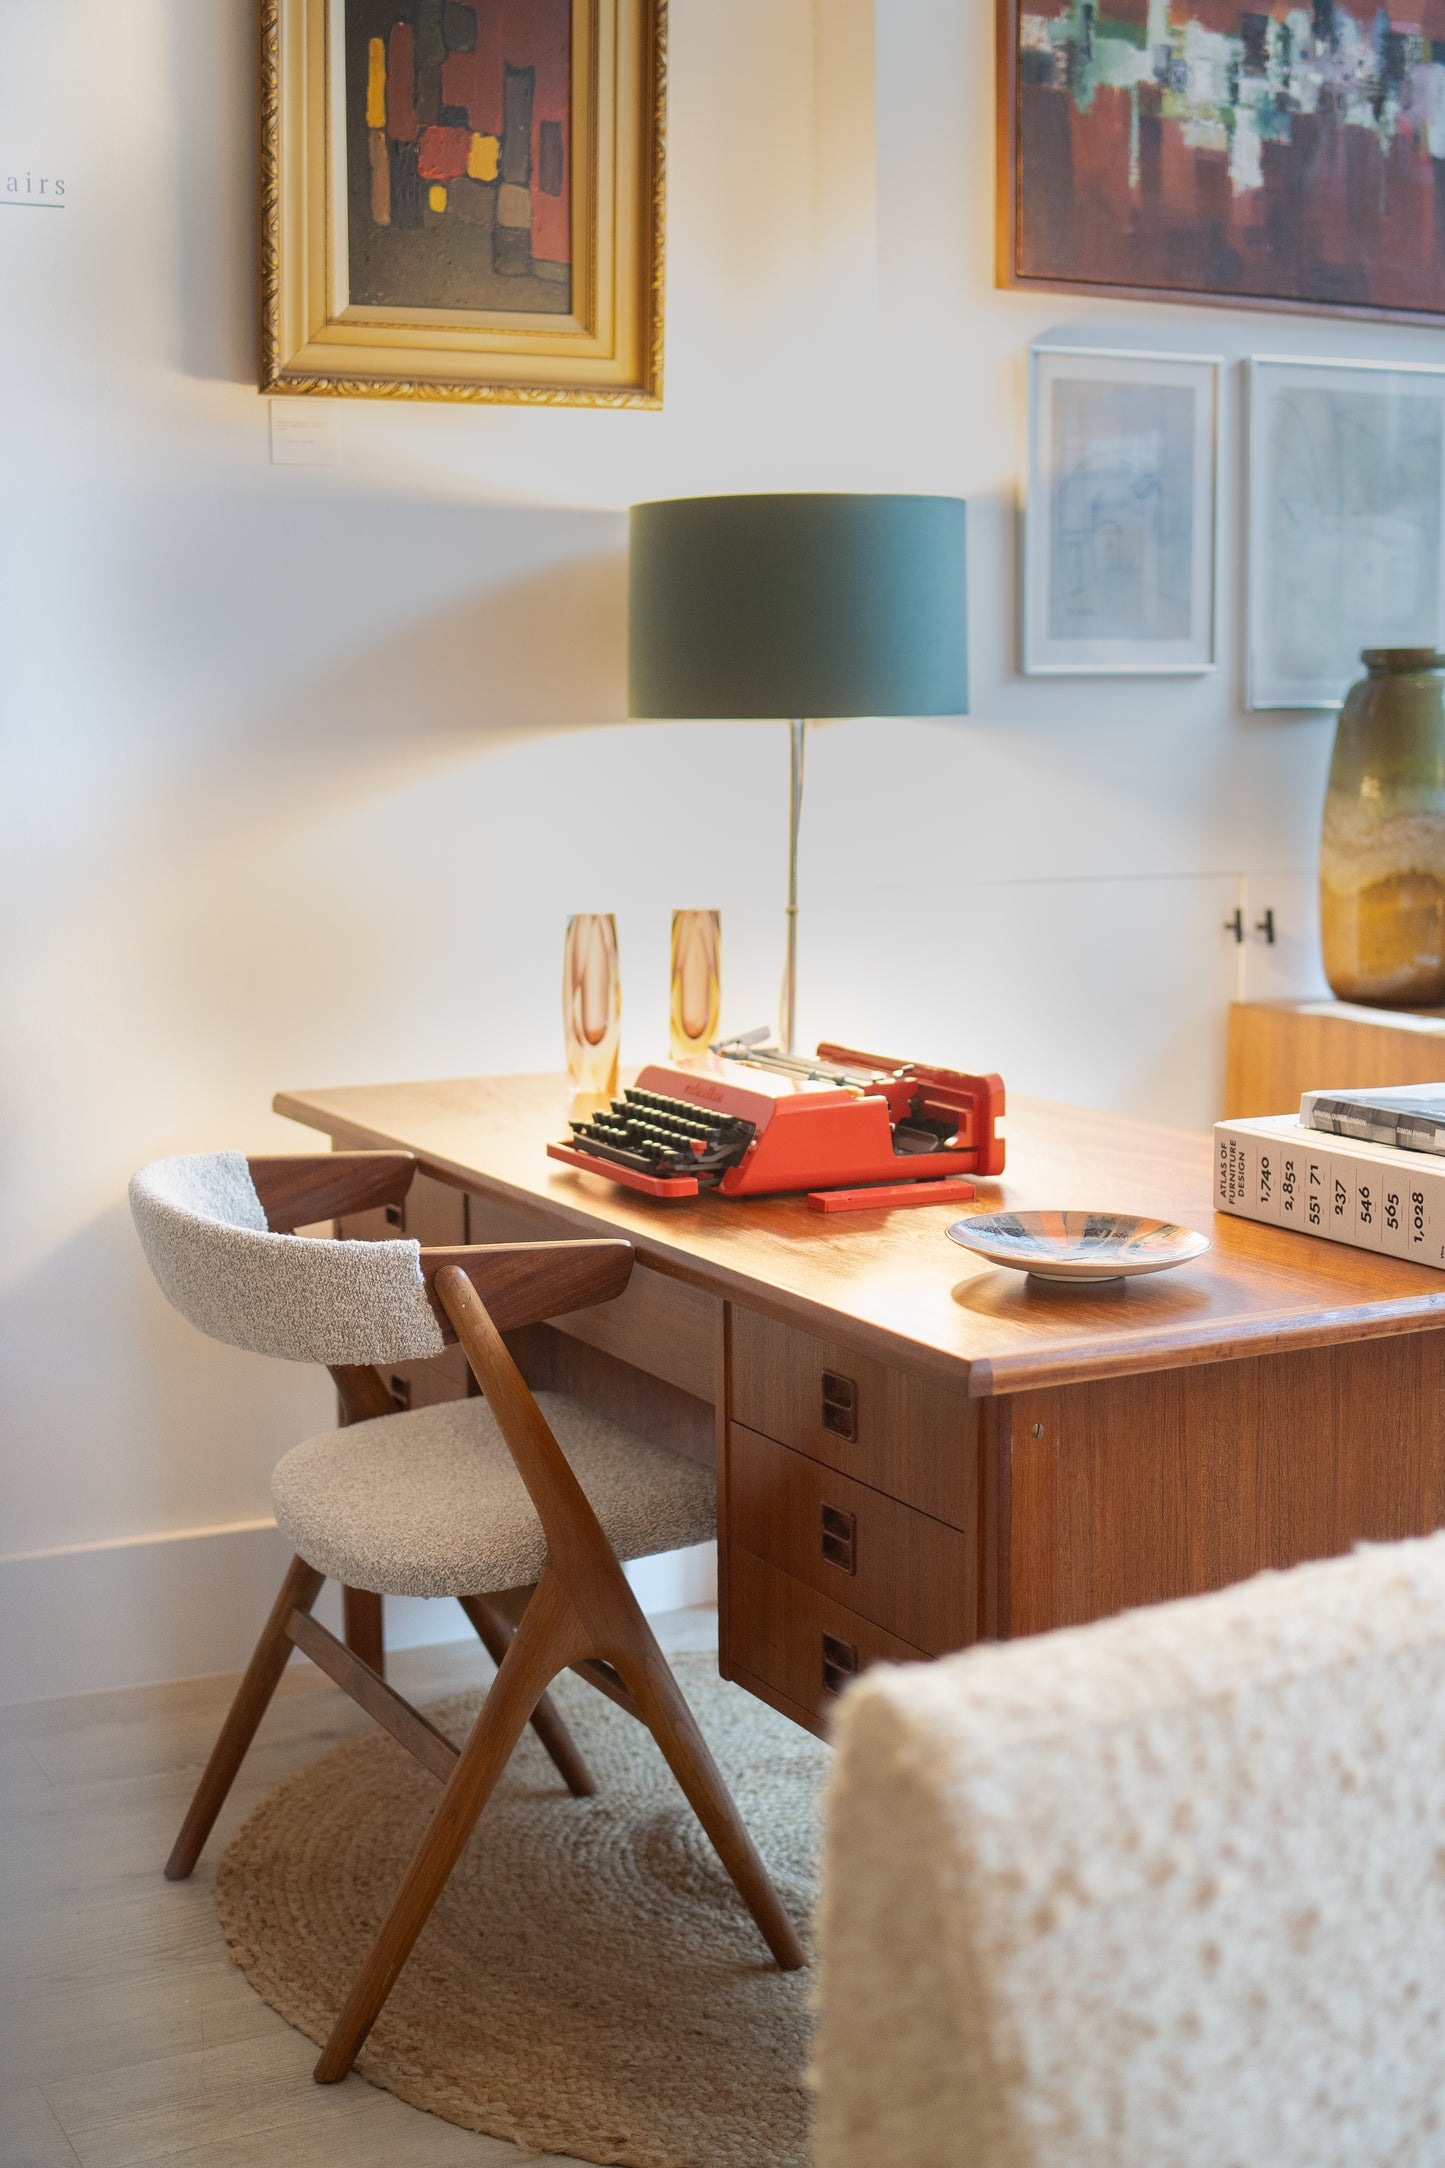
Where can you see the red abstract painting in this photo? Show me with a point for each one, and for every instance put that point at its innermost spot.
(1202, 148)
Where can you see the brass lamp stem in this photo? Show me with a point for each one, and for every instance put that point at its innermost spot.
(787, 1014)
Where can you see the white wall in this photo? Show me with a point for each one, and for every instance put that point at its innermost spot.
(305, 766)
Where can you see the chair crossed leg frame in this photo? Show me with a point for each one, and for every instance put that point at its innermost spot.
(582, 1615)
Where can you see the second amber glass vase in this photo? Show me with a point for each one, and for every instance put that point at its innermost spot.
(696, 982)
(1382, 852)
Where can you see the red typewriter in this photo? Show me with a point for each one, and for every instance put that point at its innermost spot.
(854, 1130)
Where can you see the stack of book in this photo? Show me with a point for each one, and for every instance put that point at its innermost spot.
(1364, 1167)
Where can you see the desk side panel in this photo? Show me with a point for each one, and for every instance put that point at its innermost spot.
(1138, 1490)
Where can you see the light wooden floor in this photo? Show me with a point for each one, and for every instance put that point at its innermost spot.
(126, 2034)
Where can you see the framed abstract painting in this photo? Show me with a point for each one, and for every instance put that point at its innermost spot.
(462, 199)
(1225, 150)
(1121, 522)
(1346, 521)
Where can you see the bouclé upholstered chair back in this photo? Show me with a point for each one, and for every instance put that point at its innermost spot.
(207, 1240)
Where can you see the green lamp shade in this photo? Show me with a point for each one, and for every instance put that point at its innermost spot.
(785, 605)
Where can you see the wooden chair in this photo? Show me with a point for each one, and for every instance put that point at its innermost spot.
(476, 1498)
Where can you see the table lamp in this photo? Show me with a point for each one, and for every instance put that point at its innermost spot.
(798, 607)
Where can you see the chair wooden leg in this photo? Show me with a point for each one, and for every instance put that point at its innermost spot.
(648, 1678)
(259, 1682)
(361, 1627)
(544, 1643)
(495, 1636)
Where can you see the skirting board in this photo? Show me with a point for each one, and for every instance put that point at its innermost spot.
(129, 1613)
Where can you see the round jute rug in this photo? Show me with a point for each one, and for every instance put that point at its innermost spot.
(589, 1983)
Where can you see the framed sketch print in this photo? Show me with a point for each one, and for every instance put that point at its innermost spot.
(1346, 521)
(462, 199)
(1121, 515)
(1225, 151)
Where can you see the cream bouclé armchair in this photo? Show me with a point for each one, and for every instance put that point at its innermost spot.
(1163, 1892)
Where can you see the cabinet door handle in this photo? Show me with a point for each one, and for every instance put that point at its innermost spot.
(840, 1538)
(840, 1663)
(840, 1406)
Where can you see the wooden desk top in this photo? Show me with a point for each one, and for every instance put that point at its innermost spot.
(889, 1282)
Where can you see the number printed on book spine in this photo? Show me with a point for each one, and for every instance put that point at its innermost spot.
(1394, 1213)
(1293, 1191)
(1365, 1195)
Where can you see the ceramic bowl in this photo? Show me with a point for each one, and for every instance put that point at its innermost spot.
(1078, 1245)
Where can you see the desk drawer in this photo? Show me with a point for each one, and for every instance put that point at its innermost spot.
(898, 1432)
(786, 1636)
(660, 1325)
(910, 1575)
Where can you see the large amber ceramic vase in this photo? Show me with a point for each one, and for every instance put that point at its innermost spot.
(1382, 854)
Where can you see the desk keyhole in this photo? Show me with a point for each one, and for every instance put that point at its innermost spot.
(840, 1406)
(840, 1663)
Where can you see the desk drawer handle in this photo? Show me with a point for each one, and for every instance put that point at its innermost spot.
(400, 1390)
(840, 1539)
(840, 1663)
(840, 1406)
(396, 1215)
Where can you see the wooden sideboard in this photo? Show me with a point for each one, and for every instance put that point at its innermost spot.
(1278, 1049)
(915, 1449)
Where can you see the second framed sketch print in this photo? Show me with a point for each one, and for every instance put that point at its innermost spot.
(1346, 521)
(462, 199)
(1121, 518)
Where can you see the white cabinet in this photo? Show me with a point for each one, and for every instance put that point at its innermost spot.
(1110, 993)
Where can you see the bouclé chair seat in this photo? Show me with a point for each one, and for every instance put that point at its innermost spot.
(432, 1504)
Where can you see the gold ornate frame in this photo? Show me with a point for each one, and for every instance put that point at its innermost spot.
(607, 352)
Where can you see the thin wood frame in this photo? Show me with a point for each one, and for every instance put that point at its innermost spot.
(1036, 515)
(1007, 184)
(607, 352)
(1260, 697)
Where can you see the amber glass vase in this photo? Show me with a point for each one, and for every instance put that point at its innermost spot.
(1382, 853)
(591, 1002)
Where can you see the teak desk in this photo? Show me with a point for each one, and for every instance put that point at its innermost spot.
(916, 1450)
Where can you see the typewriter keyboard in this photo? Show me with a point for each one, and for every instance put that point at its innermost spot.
(655, 1135)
